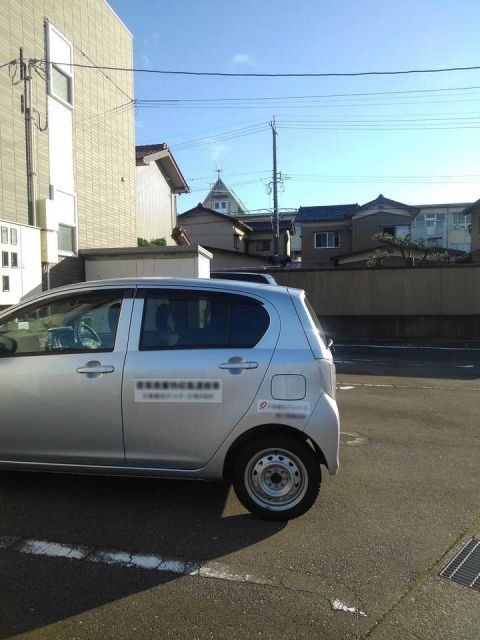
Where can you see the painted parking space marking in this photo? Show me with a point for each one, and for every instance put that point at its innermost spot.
(130, 560)
(411, 386)
(278, 578)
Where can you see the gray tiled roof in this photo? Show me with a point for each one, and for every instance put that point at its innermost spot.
(284, 225)
(382, 201)
(142, 150)
(327, 213)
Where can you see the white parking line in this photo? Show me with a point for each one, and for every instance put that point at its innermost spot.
(278, 578)
(126, 559)
(411, 347)
(410, 386)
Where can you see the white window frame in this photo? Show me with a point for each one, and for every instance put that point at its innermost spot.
(3, 232)
(464, 222)
(60, 67)
(62, 252)
(328, 235)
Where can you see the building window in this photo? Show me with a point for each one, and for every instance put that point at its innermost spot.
(460, 221)
(13, 236)
(66, 239)
(327, 240)
(5, 283)
(221, 205)
(5, 262)
(14, 260)
(399, 231)
(60, 73)
(236, 241)
(4, 235)
(61, 85)
(262, 245)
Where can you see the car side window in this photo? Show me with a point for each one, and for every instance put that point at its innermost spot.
(76, 323)
(174, 319)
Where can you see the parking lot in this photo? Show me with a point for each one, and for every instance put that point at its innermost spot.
(167, 559)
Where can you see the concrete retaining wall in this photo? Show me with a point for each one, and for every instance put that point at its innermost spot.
(434, 304)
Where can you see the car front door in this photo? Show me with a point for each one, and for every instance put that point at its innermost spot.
(61, 366)
(195, 361)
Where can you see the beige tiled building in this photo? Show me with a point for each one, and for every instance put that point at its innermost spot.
(83, 150)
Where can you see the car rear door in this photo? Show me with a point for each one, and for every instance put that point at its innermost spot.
(196, 359)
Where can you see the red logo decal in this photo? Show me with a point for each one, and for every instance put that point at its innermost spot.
(263, 405)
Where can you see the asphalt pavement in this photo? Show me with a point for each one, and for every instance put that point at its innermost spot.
(363, 563)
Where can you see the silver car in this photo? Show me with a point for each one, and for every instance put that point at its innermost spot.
(175, 378)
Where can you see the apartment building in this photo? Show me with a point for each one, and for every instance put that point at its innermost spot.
(67, 151)
(445, 225)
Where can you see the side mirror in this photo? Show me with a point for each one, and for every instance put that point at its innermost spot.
(8, 346)
(330, 344)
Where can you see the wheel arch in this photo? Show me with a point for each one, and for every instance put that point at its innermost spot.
(262, 430)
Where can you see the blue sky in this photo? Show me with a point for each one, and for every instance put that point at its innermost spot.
(331, 150)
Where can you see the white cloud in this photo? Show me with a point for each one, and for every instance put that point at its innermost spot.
(146, 61)
(243, 58)
(218, 150)
(151, 38)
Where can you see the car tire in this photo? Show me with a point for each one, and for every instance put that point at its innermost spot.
(276, 477)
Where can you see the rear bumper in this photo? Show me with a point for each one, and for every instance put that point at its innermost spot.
(323, 427)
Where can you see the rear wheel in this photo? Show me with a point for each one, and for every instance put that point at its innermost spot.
(276, 477)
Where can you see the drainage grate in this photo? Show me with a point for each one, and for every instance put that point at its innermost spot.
(465, 566)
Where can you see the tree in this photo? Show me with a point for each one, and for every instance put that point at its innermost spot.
(413, 252)
(156, 242)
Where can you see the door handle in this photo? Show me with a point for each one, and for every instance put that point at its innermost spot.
(95, 369)
(238, 365)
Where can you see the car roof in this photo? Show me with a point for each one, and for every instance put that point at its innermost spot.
(260, 288)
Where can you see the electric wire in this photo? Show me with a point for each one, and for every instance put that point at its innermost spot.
(250, 74)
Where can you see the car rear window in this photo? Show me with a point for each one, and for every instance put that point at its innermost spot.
(316, 321)
(175, 319)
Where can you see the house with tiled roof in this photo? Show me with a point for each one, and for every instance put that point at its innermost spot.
(333, 232)
(247, 238)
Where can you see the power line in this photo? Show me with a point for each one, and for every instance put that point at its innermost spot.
(329, 74)
(305, 97)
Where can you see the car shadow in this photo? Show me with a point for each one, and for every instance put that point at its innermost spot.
(178, 519)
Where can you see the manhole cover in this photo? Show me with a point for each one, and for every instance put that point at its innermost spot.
(352, 439)
(465, 567)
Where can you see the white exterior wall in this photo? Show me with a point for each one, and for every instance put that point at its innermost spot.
(186, 267)
(60, 139)
(156, 204)
(26, 279)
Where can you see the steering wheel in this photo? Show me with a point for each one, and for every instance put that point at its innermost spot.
(87, 335)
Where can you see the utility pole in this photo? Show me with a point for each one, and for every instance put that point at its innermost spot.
(276, 226)
(26, 107)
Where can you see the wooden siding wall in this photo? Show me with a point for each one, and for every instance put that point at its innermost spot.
(156, 206)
